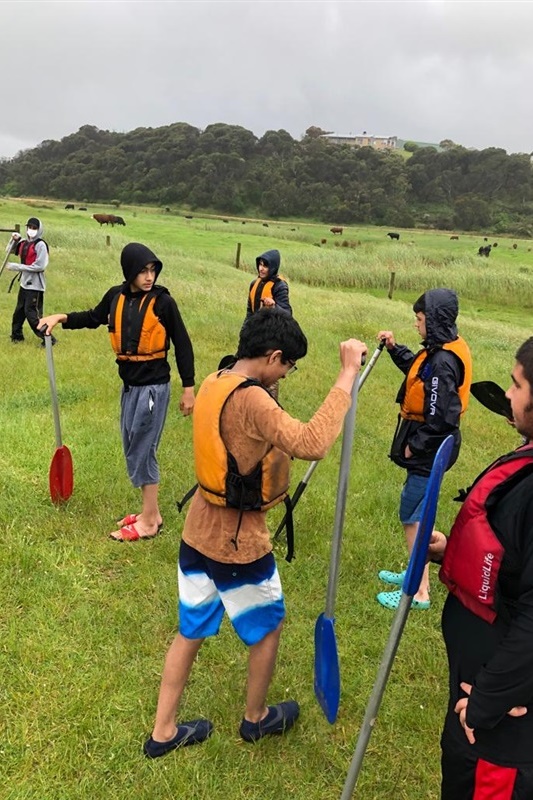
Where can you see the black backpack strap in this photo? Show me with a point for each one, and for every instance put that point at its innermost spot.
(289, 527)
(182, 503)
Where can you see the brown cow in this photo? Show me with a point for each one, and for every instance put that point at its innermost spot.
(336, 230)
(104, 219)
(108, 219)
(454, 237)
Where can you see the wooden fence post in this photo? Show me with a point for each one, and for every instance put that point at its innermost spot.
(108, 240)
(238, 256)
(391, 284)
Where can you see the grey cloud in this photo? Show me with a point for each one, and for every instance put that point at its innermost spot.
(422, 70)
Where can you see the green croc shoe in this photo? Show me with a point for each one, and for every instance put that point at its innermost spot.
(387, 576)
(392, 600)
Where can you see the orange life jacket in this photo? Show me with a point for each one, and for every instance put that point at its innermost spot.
(260, 289)
(217, 473)
(412, 406)
(136, 332)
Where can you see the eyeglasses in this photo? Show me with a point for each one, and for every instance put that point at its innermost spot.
(293, 367)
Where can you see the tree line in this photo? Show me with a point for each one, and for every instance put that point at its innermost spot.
(229, 170)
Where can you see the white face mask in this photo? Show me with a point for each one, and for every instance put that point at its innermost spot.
(31, 233)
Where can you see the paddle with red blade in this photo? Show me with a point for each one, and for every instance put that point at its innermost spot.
(61, 476)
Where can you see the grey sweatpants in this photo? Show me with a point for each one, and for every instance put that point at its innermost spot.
(143, 410)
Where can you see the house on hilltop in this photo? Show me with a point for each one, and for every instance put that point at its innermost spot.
(377, 142)
(363, 140)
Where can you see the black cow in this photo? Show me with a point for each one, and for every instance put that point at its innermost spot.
(454, 237)
(119, 221)
(484, 251)
(69, 207)
(392, 235)
(82, 208)
(187, 216)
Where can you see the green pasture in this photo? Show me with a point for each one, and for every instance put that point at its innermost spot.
(85, 622)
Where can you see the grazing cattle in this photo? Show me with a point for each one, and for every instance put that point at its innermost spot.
(515, 246)
(323, 241)
(265, 224)
(484, 251)
(69, 207)
(225, 220)
(243, 222)
(82, 208)
(454, 237)
(188, 216)
(336, 230)
(495, 244)
(393, 235)
(485, 239)
(108, 219)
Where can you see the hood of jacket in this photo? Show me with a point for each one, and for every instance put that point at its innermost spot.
(273, 259)
(442, 308)
(35, 221)
(135, 257)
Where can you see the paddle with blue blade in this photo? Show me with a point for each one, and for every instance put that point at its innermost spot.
(410, 585)
(302, 486)
(327, 673)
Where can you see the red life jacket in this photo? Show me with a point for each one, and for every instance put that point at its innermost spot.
(474, 553)
(28, 251)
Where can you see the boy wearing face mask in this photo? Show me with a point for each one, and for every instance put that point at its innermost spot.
(33, 252)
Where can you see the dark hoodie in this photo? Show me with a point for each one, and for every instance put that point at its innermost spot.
(425, 438)
(279, 287)
(133, 259)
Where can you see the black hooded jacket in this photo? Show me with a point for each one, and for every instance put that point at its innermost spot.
(133, 259)
(425, 438)
(280, 289)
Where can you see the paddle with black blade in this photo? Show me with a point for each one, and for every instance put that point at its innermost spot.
(492, 397)
(327, 673)
(61, 475)
(410, 586)
(302, 486)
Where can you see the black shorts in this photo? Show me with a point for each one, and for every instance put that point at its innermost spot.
(465, 776)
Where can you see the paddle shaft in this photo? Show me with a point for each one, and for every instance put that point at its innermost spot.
(6, 259)
(376, 697)
(340, 506)
(415, 568)
(53, 388)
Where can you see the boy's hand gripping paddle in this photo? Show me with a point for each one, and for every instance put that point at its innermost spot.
(302, 486)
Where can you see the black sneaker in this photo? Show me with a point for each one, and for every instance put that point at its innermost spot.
(278, 720)
(194, 732)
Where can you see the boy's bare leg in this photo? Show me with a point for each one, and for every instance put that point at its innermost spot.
(410, 534)
(261, 663)
(178, 663)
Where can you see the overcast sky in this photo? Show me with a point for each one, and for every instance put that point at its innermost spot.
(423, 69)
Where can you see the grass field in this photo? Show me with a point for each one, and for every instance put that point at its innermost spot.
(85, 622)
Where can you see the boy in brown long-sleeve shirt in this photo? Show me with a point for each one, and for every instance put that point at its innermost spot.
(242, 441)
